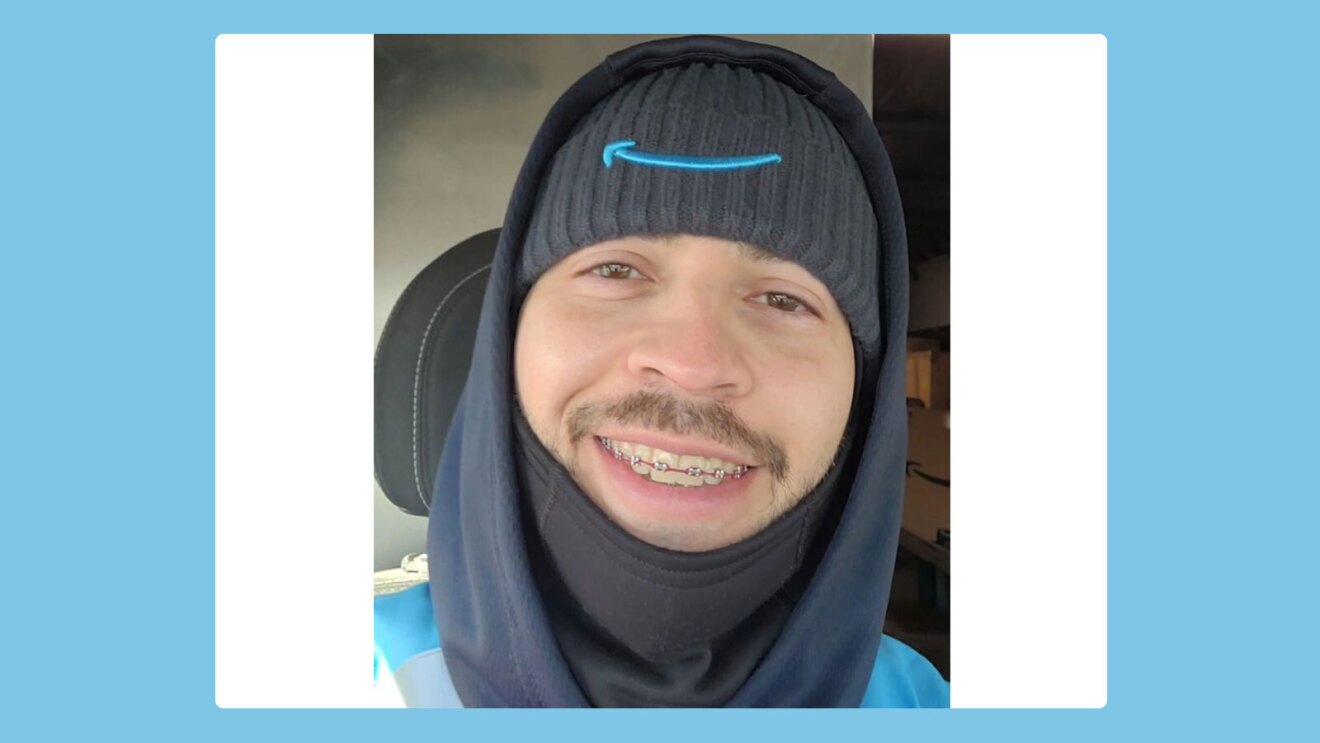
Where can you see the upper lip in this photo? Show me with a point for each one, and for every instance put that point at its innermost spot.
(677, 445)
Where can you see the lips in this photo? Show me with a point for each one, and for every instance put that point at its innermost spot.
(658, 492)
(661, 466)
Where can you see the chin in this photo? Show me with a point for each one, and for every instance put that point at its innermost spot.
(682, 537)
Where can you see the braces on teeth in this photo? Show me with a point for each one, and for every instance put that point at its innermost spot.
(635, 460)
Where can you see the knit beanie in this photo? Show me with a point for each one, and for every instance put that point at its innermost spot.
(714, 151)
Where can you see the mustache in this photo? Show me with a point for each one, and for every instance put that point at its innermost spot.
(659, 411)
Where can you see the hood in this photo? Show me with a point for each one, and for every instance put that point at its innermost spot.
(496, 638)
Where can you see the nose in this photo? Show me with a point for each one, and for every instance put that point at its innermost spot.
(693, 346)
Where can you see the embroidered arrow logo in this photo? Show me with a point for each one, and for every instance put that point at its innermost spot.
(623, 150)
(912, 470)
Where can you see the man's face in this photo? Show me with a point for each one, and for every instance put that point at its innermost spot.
(686, 355)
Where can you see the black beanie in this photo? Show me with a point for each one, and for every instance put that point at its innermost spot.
(715, 151)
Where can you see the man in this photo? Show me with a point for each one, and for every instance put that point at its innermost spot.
(676, 472)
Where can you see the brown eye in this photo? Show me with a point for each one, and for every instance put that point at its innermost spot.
(614, 271)
(784, 302)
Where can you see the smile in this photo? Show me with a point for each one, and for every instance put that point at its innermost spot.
(664, 467)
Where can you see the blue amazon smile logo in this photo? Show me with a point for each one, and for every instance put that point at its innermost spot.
(623, 150)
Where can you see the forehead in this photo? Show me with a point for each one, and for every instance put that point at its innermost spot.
(745, 251)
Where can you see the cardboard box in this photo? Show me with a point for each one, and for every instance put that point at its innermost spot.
(926, 493)
(928, 378)
(922, 344)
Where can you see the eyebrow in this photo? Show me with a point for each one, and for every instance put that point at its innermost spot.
(760, 255)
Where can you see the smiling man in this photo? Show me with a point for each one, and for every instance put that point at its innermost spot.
(696, 388)
(676, 473)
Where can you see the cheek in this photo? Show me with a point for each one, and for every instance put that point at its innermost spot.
(808, 393)
(558, 354)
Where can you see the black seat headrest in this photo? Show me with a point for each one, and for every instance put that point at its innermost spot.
(422, 363)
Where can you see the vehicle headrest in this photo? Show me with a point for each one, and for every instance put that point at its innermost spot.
(421, 366)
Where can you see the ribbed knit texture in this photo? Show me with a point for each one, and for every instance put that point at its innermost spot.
(811, 208)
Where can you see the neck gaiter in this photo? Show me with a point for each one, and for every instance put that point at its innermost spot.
(645, 626)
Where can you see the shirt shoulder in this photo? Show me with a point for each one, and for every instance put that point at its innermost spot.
(404, 627)
(409, 668)
(902, 677)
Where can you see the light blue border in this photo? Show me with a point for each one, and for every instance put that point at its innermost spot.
(106, 295)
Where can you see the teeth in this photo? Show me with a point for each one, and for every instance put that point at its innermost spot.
(684, 462)
(670, 460)
(672, 469)
(676, 478)
(689, 463)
